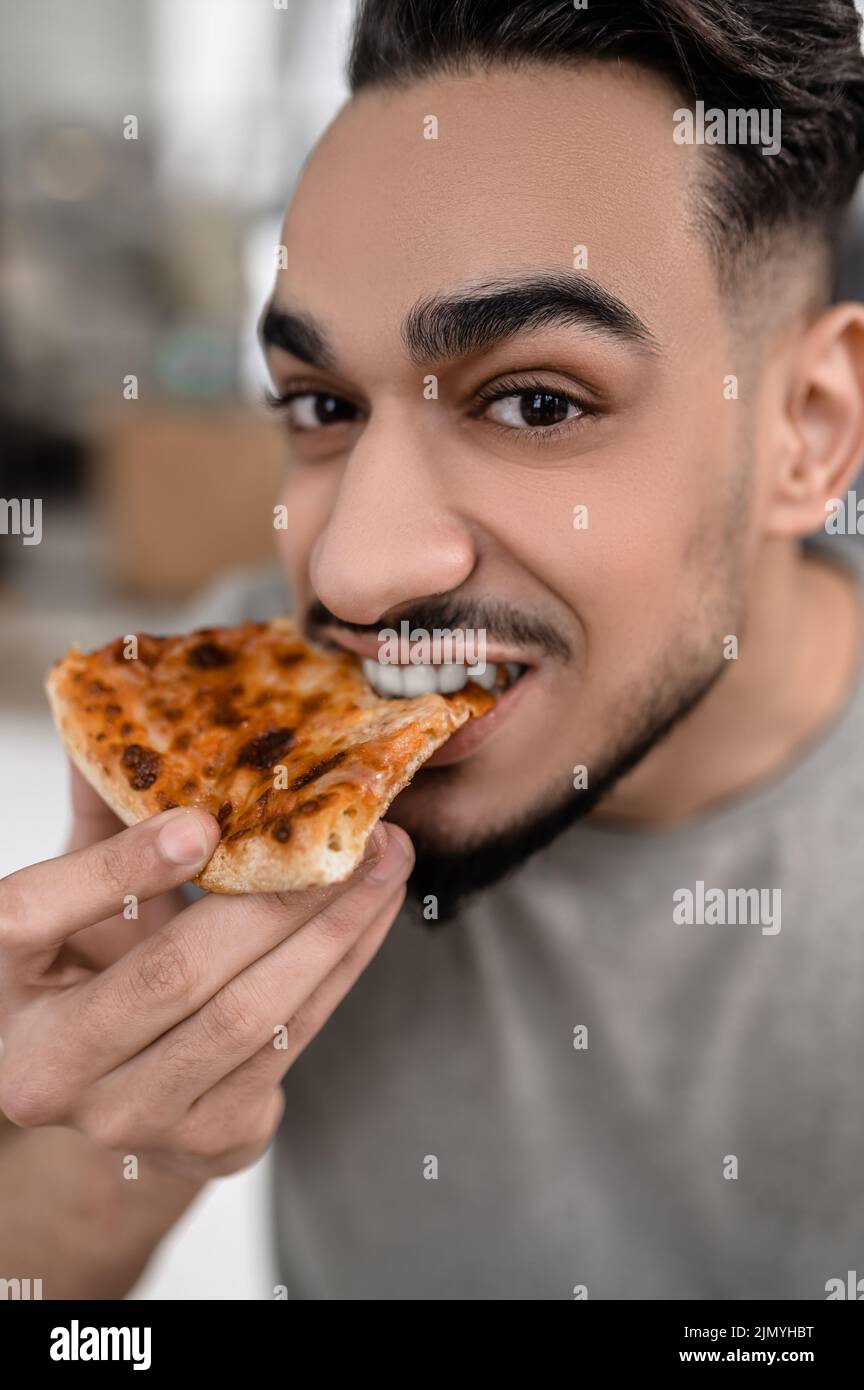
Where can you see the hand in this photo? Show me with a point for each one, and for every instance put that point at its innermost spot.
(93, 821)
(167, 1052)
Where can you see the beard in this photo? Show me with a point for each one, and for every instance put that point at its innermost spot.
(452, 875)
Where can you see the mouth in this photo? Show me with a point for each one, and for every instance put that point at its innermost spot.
(509, 680)
(478, 733)
(404, 682)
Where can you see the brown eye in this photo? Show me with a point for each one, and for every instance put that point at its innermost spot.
(533, 409)
(542, 408)
(314, 409)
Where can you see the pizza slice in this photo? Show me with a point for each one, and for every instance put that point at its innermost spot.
(284, 742)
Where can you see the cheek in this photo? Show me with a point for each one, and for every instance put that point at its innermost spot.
(634, 542)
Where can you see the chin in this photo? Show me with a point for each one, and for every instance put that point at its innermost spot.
(454, 813)
(460, 854)
(454, 808)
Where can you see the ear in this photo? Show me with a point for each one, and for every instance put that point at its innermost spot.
(823, 433)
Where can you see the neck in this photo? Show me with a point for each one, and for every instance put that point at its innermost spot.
(796, 667)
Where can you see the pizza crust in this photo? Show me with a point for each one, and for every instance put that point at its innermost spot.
(284, 742)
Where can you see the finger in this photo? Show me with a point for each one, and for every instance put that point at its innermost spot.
(41, 906)
(270, 1063)
(237, 1118)
(92, 819)
(240, 1018)
(171, 974)
(214, 1146)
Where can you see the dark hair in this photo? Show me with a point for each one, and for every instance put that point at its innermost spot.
(801, 56)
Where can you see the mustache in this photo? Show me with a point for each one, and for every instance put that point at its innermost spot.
(500, 622)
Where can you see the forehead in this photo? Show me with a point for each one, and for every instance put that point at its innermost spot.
(528, 164)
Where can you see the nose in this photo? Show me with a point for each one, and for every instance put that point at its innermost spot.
(393, 536)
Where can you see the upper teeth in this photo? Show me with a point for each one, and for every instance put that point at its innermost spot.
(396, 681)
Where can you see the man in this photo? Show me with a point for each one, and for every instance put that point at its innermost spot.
(559, 365)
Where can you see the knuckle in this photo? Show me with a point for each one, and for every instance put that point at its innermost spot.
(180, 1059)
(112, 868)
(27, 1103)
(108, 1129)
(162, 972)
(340, 919)
(206, 1142)
(121, 1127)
(227, 1018)
(225, 1142)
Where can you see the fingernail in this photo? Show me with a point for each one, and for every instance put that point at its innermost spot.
(394, 861)
(183, 839)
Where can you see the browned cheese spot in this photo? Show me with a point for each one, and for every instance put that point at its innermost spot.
(144, 765)
(313, 773)
(208, 656)
(265, 750)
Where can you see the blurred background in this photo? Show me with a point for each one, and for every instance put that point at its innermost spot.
(148, 149)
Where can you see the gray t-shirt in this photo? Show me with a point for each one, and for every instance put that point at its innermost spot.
(450, 1135)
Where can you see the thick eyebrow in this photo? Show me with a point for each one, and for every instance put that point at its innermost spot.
(472, 321)
(298, 334)
(448, 326)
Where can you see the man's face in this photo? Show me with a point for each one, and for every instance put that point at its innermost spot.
(456, 497)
